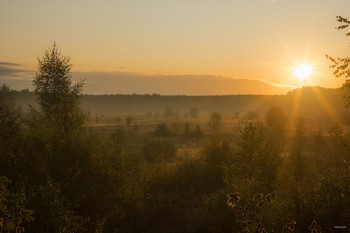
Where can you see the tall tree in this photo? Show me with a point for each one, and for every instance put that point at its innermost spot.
(57, 95)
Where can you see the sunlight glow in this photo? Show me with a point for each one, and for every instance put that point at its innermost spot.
(326, 105)
(302, 71)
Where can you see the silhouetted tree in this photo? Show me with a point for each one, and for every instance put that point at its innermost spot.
(58, 97)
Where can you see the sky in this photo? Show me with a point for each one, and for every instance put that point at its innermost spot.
(186, 47)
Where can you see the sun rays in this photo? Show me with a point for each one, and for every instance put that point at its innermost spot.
(325, 104)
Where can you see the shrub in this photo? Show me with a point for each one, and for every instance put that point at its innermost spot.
(162, 130)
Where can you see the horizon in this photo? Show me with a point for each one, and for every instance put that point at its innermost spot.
(291, 91)
(177, 47)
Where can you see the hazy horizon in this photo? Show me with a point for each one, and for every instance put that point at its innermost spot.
(99, 83)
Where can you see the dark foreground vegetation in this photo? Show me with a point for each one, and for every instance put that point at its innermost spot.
(189, 172)
(266, 169)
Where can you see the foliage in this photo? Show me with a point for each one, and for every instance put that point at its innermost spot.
(10, 133)
(57, 96)
(254, 167)
(251, 214)
(52, 210)
(297, 181)
(13, 212)
(6, 94)
(216, 156)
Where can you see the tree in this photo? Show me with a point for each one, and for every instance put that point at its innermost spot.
(255, 165)
(10, 131)
(341, 65)
(58, 97)
(6, 94)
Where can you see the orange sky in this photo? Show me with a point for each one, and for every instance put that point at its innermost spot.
(225, 39)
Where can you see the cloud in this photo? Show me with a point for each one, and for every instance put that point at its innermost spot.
(9, 64)
(11, 70)
(15, 75)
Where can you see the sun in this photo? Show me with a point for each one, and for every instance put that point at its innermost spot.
(302, 71)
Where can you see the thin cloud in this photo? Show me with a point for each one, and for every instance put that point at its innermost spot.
(13, 70)
(9, 64)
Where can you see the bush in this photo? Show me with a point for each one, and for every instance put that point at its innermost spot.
(194, 113)
(162, 130)
(196, 132)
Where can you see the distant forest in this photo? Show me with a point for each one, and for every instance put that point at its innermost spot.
(312, 103)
